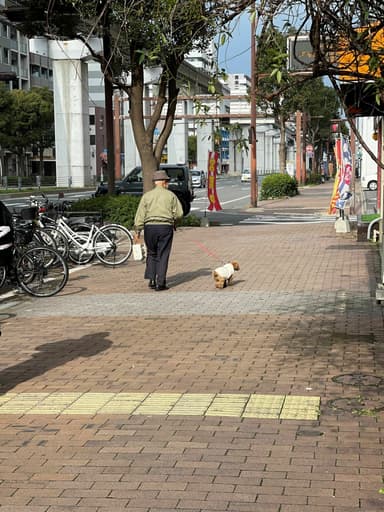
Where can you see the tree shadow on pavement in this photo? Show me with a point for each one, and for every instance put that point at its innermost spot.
(52, 355)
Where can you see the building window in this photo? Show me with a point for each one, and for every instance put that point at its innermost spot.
(12, 33)
(92, 140)
(35, 71)
(92, 120)
(3, 29)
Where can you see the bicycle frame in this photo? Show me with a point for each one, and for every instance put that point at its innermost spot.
(87, 241)
(104, 242)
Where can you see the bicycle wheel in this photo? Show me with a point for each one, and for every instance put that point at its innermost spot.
(3, 275)
(78, 253)
(41, 271)
(113, 244)
(60, 241)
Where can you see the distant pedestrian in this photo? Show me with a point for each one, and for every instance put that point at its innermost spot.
(157, 213)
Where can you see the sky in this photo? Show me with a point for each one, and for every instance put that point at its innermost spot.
(235, 55)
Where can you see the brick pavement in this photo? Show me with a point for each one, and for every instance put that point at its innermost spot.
(300, 321)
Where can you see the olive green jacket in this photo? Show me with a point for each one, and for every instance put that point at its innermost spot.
(158, 206)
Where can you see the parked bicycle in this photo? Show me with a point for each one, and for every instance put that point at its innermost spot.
(38, 270)
(110, 243)
(81, 241)
(26, 217)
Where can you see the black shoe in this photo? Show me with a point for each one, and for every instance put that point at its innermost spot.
(161, 287)
(152, 284)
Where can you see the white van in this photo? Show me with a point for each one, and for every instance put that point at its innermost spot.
(367, 166)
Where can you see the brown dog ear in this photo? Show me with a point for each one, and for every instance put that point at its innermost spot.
(235, 265)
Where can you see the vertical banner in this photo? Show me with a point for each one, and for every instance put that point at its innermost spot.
(212, 173)
(342, 187)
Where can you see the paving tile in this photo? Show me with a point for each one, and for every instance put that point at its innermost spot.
(115, 398)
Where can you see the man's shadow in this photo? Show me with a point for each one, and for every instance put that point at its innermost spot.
(52, 355)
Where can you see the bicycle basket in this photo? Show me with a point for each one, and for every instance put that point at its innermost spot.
(29, 213)
(23, 235)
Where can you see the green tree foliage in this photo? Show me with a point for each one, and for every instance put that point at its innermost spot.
(320, 105)
(26, 121)
(5, 110)
(286, 93)
(43, 129)
(192, 148)
(138, 35)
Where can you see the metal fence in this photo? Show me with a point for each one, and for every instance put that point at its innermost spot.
(20, 182)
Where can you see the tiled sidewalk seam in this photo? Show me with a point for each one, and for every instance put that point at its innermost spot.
(182, 404)
(199, 303)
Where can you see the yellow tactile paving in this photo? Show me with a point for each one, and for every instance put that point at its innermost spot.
(300, 407)
(55, 403)
(264, 406)
(192, 404)
(123, 403)
(227, 405)
(88, 403)
(158, 403)
(7, 397)
(239, 405)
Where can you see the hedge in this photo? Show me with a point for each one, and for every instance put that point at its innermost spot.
(278, 185)
(120, 209)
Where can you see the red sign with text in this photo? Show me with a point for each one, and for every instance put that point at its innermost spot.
(212, 173)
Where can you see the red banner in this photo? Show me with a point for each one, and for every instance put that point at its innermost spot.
(212, 173)
(342, 186)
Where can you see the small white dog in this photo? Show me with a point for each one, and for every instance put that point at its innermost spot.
(223, 276)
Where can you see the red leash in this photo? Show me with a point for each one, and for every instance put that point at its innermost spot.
(207, 251)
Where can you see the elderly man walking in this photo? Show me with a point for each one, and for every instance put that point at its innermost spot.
(156, 214)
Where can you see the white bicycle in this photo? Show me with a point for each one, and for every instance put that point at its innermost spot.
(111, 243)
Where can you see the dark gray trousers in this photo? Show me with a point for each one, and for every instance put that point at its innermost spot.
(158, 240)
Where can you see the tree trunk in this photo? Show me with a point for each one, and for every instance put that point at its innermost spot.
(143, 138)
(41, 161)
(150, 155)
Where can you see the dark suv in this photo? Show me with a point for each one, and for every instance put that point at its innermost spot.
(180, 183)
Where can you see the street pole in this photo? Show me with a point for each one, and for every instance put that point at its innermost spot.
(298, 147)
(304, 148)
(254, 191)
(108, 99)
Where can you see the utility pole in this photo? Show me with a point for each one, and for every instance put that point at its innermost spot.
(298, 147)
(254, 188)
(304, 148)
(108, 95)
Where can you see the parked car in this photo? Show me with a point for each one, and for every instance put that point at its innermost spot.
(180, 183)
(198, 178)
(245, 175)
(369, 179)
